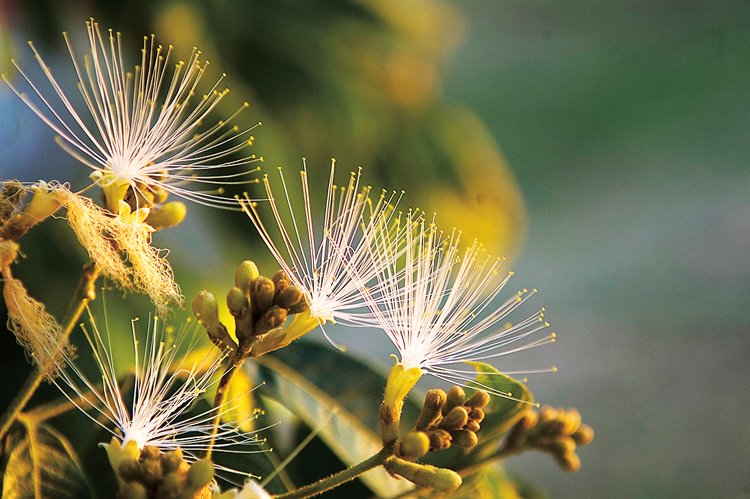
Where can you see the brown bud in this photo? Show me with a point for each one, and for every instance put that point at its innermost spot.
(529, 420)
(439, 439)
(273, 318)
(171, 461)
(151, 471)
(568, 462)
(564, 445)
(129, 469)
(133, 490)
(299, 307)
(456, 419)
(464, 438)
(431, 409)
(170, 485)
(480, 399)
(572, 421)
(547, 413)
(455, 397)
(150, 452)
(472, 425)
(287, 297)
(281, 281)
(551, 429)
(584, 435)
(262, 295)
(476, 414)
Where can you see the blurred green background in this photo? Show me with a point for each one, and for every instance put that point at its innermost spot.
(625, 126)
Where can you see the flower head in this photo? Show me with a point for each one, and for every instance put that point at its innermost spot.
(317, 258)
(169, 377)
(139, 129)
(439, 307)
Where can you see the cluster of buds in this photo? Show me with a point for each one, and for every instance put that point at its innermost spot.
(258, 304)
(445, 420)
(151, 474)
(557, 431)
(16, 218)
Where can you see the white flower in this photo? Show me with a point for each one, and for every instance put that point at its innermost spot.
(439, 306)
(140, 129)
(169, 378)
(316, 258)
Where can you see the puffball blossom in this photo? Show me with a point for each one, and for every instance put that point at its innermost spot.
(169, 377)
(439, 306)
(317, 257)
(140, 129)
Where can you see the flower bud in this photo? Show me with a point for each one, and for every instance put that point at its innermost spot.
(439, 479)
(288, 297)
(262, 294)
(273, 318)
(480, 399)
(431, 409)
(129, 469)
(476, 414)
(562, 446)
(455, 397)
(472, 425)
(170, 485)
(133, 490)
(206, 310)
(246, 272)
(464, 438)
(456, 419)
(281, 281)
(568, 462)
(171, 461)
(547, 413)
(166, 215)
(571, 421)
(237, 302)
(439, 439)
(201, 472)
(412, 446)
(584, 435)
(151, 471)
(300, 307)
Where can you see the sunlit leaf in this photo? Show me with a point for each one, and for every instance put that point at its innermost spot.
(43, 464)
(502, 413)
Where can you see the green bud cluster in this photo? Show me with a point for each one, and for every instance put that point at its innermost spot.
(554, 430)
(451, 419)
(258, 304)
(162, 475)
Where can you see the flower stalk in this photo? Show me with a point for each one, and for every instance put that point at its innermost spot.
(339, 478)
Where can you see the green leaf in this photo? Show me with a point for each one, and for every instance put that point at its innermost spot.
(502, 413)
(325, 384)
(43, 464)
